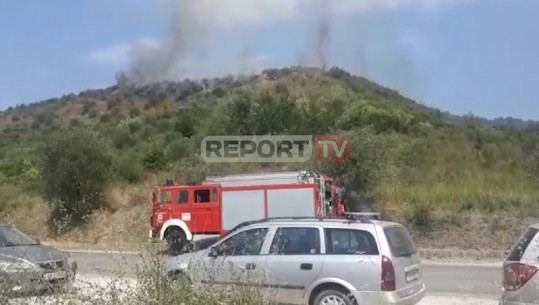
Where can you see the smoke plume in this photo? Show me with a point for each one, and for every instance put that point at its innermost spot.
(316, 52)
(188, 27)
(185, 48)
(324, 36)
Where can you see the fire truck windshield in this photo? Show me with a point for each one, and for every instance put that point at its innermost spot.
(164, 197)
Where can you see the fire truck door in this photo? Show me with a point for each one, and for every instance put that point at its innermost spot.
(205, 211)
(164, 210)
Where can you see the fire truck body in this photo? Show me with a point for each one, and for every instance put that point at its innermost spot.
(244, 203)
(266, 178)
(220, 203)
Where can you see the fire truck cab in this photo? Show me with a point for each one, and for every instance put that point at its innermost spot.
(213, 207)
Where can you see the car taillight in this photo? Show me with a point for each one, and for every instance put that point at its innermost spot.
(388, 275)
(516, 275)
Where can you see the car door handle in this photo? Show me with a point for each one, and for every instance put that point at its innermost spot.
(306, 266)
(249, 266)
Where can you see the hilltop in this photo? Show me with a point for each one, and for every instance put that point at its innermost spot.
(451, 178)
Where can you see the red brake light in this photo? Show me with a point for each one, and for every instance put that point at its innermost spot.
(516, 275)
(388, 275)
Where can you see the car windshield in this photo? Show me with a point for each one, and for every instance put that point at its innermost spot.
(239, 226)
(11, 237)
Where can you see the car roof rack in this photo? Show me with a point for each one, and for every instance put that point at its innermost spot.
(369, 215)
(350, 217)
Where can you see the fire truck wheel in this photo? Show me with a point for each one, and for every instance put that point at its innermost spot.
(175, 241)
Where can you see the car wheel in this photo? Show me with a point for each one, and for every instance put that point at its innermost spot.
(333, 297)
(189, 247)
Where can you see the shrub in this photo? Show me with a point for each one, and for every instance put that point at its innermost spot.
(185, 124)
(421, 217)
(76, 167)
(129, 169)
(134, 126)
(115, 111)
(155, 159)
(178, 149)
(105, 118)
(367, 161)
(134, 112)
(86, 108)
(74, 122)
(123, 139)
(163, 126)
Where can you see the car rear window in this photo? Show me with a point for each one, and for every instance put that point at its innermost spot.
(522, 244)
(400, 241)
(350, 242)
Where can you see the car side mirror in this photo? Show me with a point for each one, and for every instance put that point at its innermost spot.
(214, 252)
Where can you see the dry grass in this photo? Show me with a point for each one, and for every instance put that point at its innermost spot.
(474, 231)
(27, 212)
(122, 196)
(125, 220)
(70, 111)
(462, 195)
(440, 227)
(482, 213)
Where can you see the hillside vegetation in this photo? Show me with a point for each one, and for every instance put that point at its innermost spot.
(449, 177)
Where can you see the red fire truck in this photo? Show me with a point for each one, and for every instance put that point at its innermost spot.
(218, 204)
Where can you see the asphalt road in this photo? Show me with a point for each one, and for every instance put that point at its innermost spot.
(441, 279)
(466, 280)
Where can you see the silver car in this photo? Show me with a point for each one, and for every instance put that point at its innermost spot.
(27, 267)
(313, 261)
(520, 270)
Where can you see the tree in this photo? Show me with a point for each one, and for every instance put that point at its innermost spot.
(75, 169)
(367, 160)
(155, 159)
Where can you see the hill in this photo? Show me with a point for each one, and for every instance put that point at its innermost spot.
(451, 178)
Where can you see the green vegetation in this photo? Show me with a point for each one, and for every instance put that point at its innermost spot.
(413, 162)
(75, 172)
